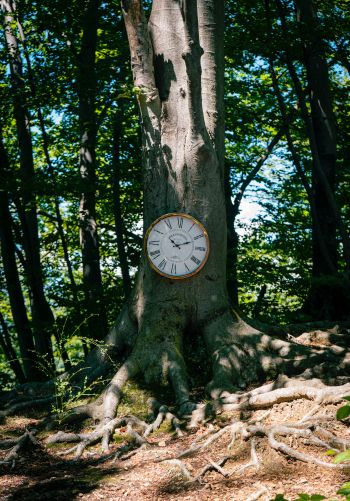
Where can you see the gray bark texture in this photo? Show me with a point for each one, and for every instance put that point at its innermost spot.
(177, 63)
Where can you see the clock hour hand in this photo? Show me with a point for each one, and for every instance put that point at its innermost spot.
(174, 243)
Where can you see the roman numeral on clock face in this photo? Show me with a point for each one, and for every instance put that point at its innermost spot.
(168, 223)
(180, 222)
(154, 242)
(162, 265)
(198, 236)
(200, 249)
(173, 269)
(195, 260)
(154, 253)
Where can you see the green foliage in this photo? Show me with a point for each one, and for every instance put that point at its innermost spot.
(301, 497)
(344, 411)
(345, 491)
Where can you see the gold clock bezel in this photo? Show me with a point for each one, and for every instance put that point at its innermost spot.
(187, 216)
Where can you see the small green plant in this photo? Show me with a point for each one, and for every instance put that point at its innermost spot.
(344, 411)
(66, 392)
(66, 395)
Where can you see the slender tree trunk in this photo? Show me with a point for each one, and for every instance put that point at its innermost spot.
(9, 352)
(92, 280)
(232, 242)
(13, 284)
(324, 127)
(50, 168)
(42, 315)
(327, 284)
(118, 218)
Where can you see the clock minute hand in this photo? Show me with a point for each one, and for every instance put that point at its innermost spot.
(184, 243)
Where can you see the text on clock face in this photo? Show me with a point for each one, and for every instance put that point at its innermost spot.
(177, 246)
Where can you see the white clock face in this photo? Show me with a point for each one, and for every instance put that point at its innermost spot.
(177, 245)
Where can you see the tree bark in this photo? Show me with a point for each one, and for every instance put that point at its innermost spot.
(42, 315)
(177, 63)
(92, 280)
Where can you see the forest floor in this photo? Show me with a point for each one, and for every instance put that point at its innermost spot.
(41, 473)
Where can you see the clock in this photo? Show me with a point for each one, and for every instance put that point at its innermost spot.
(177, 245)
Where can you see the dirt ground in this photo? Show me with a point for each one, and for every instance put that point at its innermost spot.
(42, 473)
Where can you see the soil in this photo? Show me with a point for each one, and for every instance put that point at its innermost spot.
(41, 473)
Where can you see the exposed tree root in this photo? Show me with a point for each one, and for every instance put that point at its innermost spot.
(17, 446)
(240, 354)
(308, 430)
(163, 415)
(285, 390)
(102, 433)
(257, 495)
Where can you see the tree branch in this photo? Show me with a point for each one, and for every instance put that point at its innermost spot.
(141, 54)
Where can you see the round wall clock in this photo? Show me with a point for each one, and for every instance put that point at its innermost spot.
(177, 245)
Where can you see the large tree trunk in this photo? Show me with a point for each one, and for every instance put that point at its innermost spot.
(181, 104)
(92, 279)
(42, 315)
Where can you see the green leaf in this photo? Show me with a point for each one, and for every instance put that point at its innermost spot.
(317, 497)
(279, 497)
(331, 452)
(344, 489)
(343, 456)
(347, 398)
(343, 412)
